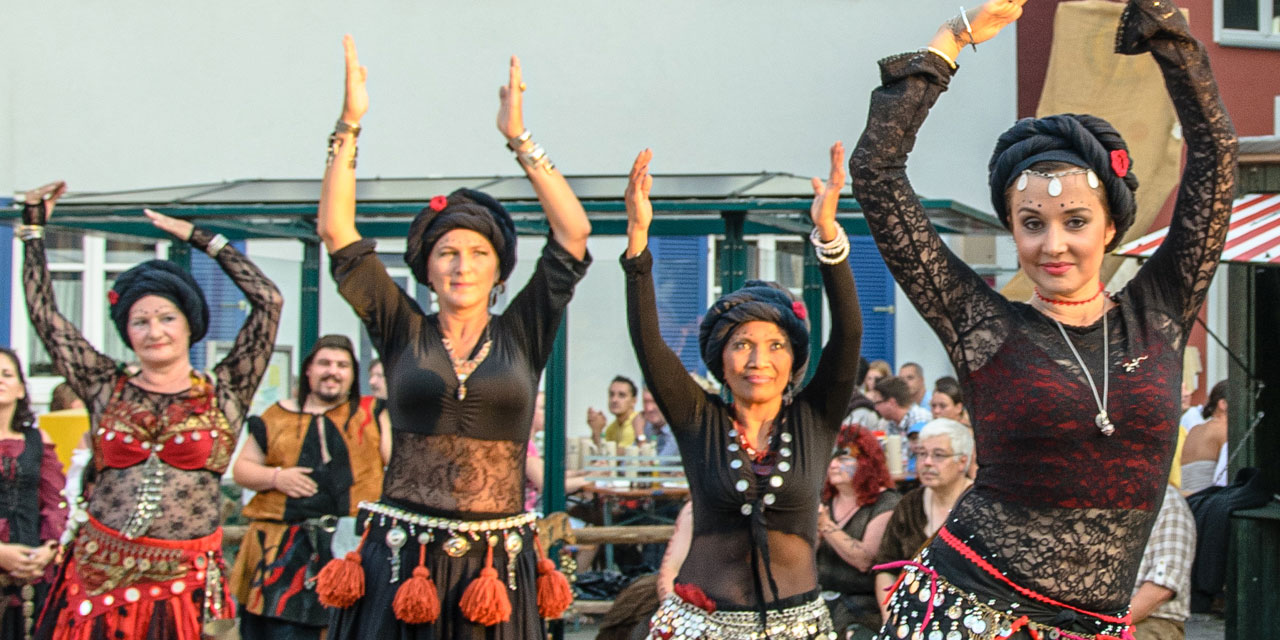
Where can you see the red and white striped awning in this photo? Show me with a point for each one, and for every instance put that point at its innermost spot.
(1254, 236)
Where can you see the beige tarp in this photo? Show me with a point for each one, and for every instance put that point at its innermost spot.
(1087, 76)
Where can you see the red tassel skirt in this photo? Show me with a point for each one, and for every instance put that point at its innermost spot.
(113, 588)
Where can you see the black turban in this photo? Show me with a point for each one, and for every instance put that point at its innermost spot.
(758, 300)
(463, 209)
(167, 280)
(1081, 140)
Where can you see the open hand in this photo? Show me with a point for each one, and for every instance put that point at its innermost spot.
(296, 482)
(180, 229)
(356, 100)
(639, 209)
(511, 97)
(826, 196)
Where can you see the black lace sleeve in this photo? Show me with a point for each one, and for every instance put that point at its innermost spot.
(535, 313)
(833, 380)
(681, 400)
(91, 374)
(384, 308)
(241, 370)
(966, 314)
(1180, 271)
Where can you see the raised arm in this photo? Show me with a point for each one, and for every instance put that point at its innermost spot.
(90, 373)
(679, 397)
(336, 216)
(565, 215)
(833, 379)
(950, 296)
(241, 370)
(1182, 268)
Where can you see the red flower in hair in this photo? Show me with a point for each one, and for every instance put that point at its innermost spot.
(113, 297)
(693, 595)
(438, 203)
(1120, 162)
(797, 308)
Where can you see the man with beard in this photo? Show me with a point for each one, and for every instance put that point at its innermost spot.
(311, 461)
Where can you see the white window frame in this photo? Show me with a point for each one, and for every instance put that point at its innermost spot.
(1256, 39)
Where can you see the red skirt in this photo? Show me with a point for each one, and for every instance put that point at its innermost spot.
(113, 588)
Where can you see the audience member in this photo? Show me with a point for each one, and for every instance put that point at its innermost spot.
(892, 400)
(377, 380)
(64, 397)
(877, 370)
(947, 401)
(913, 374)
(1161, 600)
(857, 502)
(311, 461)
(862, 411)
(947, 452)
(1192, 415)
(656, 429)
(1205, 443)
(627, 422)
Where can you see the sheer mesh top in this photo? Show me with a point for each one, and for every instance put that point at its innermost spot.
(1057, 506)
(720, 556)
(451, 456)
(191, 496)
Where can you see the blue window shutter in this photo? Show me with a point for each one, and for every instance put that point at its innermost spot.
(226, 312)
(875, 290)
(680, 283)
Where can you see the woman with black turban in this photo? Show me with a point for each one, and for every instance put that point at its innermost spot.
(148, 562)
(448, 551)
(1073, 395)
(756, 463)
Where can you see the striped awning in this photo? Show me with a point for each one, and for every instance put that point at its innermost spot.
(1254, 236)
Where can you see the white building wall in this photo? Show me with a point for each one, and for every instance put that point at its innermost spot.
(133, 94)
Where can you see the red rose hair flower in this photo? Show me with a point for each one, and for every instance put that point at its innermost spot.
(113, 297)
(797, 308)
(1120, 162)
(438, 203)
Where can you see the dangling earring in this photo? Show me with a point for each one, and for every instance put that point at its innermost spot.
(493, 293)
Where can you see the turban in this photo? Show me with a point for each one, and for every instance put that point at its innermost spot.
(757, 301)
(462, 209)
(159, 278)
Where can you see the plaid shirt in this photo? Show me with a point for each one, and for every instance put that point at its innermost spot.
(1167, 559)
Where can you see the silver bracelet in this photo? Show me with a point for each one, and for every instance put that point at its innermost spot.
(968, 27)
(833, 252)
(517, 142)
(535, 158)
(215, 245)
(30, 231)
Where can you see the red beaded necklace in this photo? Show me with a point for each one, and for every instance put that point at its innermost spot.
(1069, 303)
(746, 444)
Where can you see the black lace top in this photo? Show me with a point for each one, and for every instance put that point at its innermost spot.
(1057, 506)
(449, 456)
(719, 560)
(95, 378)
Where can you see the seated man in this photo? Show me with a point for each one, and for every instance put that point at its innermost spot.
(626, 420)
(656, 429)
(1161, 600)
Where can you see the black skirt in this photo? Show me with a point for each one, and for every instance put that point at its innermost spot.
(372, 615)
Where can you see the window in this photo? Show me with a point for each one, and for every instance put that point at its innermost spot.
(774, 258)
(68, 290)
(1247, 23)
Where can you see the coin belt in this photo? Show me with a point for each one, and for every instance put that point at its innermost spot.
(679, 620)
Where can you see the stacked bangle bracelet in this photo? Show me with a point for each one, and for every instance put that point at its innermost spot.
(340, 127)
(29, 231)
(530, 154)
(833, 252)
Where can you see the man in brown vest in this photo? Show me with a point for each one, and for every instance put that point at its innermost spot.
(311, 461)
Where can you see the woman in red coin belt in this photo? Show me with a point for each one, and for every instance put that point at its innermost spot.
(1074, 394)
(148, 562)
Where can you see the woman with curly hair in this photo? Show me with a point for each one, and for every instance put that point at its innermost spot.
(32, 509)
(857, 501)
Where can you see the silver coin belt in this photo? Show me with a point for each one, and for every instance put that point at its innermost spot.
(679, 620)
(960, 615)
(472, 527)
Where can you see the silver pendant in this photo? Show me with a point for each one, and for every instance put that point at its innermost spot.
(1055, 187)
(396, 538)
(1104, 423)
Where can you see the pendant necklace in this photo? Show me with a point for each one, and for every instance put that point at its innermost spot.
(1102, 419)
(463, 367)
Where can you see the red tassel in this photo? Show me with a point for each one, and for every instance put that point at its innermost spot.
(416, 600)
(554, 594)
(485, 602)
(341, 581)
